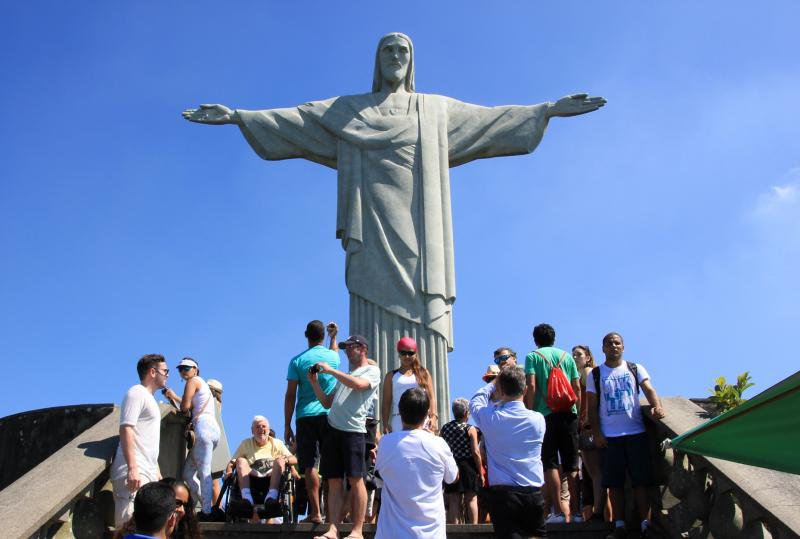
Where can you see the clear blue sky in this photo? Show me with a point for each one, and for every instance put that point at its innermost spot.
(672, 215)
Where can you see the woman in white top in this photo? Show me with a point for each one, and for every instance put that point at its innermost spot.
(197, 400)
(410, 374)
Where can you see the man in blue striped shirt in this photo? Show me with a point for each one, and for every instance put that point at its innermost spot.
(513, 436)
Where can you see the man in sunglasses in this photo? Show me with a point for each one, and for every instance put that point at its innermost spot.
(136, 461)
(344, 446)
(505, 357)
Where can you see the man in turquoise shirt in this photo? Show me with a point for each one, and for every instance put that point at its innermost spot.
(561, 435)
(312, 420)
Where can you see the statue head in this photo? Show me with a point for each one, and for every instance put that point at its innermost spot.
(391, 67)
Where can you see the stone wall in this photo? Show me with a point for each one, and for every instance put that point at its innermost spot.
(28, 438)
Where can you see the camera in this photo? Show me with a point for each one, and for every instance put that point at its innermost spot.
(314, 369)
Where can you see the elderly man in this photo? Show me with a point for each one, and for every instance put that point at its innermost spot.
(260, 461)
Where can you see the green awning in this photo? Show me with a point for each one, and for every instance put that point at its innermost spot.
(764, 431)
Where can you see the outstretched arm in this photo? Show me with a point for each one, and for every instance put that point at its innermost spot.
(212, 114)
(574, 105)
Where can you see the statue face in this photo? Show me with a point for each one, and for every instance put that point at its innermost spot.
(395, 56)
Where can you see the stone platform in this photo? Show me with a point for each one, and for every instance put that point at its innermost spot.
(586, 530)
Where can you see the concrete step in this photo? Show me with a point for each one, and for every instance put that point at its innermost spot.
(215, 530)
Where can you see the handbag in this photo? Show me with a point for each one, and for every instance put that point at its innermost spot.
(189, 433)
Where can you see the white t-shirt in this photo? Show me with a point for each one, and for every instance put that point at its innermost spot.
(350, 406)
(413, 464)
(140, 410)
(620, 412)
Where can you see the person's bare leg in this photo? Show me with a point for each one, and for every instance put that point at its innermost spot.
(358, 497)
(595, 469)
(471, 501)
(215, 488)
(243, 470)
(453, 507)
(312, 490)
(278, 467)
(552, 483)
(334, 507)
(642, 502)
(574, 495)
(617, 497)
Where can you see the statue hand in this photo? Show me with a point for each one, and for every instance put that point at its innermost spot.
(211, 114)
(573, 105)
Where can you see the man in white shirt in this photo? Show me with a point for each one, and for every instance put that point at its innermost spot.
(513, 436)
(618, 428)
(136, 461)
(413, 463)
(343, 448)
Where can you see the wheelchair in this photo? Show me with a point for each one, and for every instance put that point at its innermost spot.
(238, 510)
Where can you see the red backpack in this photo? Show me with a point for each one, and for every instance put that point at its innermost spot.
(560, 396)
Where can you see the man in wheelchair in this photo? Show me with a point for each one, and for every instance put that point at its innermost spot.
(260, 463)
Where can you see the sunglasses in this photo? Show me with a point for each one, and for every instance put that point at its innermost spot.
(180, 503)
(184, 368)
(500, 359)
(407, 352)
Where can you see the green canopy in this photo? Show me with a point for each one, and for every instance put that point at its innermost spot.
(764, 431)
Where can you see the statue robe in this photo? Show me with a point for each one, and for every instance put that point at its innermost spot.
(393, 214)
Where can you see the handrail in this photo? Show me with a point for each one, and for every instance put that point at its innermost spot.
(769, 494)
(42, 493)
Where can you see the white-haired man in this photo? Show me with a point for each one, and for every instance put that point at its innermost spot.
(260, 462)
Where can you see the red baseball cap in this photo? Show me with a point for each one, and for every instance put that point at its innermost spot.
(407, 343)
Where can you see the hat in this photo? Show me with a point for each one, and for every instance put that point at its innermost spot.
(354, 339)
(188, 362)
(216, 385)
(491, 373)
(407, 343)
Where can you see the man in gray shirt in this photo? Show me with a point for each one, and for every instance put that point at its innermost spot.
(343, 448)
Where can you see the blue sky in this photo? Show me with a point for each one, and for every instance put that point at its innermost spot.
(672, 215)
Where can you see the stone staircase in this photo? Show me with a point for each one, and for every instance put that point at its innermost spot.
(586, 530)
(64, 492)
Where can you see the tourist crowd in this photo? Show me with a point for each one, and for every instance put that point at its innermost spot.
(548, 440)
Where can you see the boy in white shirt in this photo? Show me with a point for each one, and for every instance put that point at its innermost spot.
(413, 463)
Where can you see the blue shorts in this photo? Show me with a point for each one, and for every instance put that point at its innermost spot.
(627, 453)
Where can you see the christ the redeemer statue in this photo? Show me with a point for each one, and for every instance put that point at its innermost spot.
(392, 149)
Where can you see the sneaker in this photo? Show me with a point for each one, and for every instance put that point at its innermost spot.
(555, 518)
(272, 508)
(241, 509)
(618, 533)
(577, 519)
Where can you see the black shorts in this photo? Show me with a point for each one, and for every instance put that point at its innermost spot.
(342, 454)
(517, 512)
(631, 453)
(560, 438)
(467, 478)
(310, 436)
